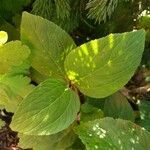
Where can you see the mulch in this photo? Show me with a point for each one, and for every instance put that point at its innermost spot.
(8, 138)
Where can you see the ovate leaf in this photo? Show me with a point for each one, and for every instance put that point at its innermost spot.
(102, 66)
(12, 54)
(109, 133)
(117, 106)
(10, 29)
(49, 44)
(11, 7)
(48, 109)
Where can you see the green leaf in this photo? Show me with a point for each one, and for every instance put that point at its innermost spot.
(37, 77)
(13, 88)
(17, 84)
(102, 66)
(12, 54)
(117, 106)
(23, 69)
(48, 109)
(144, 107)
(9, 101)
(58, 141)
(48, 43)
(89, 112)
(109, 133)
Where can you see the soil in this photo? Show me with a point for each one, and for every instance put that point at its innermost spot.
(8, 138)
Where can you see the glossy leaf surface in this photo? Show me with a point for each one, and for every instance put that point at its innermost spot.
(109, 133)
(49, 44)
(102, 66)
(48, 109)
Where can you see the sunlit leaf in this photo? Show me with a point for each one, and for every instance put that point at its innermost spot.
(3, 37)
(48, 109)
(117, 106)
(12, 54)
(8, 101)
(101, 67)
(17, 84)
(49, 44)
(13, 88)
(108, 133)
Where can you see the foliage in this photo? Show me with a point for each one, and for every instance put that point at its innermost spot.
(145, 114)
(48, 115)
(91, 14)
(46, 99)
(114, 134)
(117, 106)
(60, 12)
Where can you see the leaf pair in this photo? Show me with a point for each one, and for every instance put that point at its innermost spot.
(97, 68)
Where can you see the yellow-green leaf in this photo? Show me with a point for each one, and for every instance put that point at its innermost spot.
(49, 108)
(12, 54)
(102, 66)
